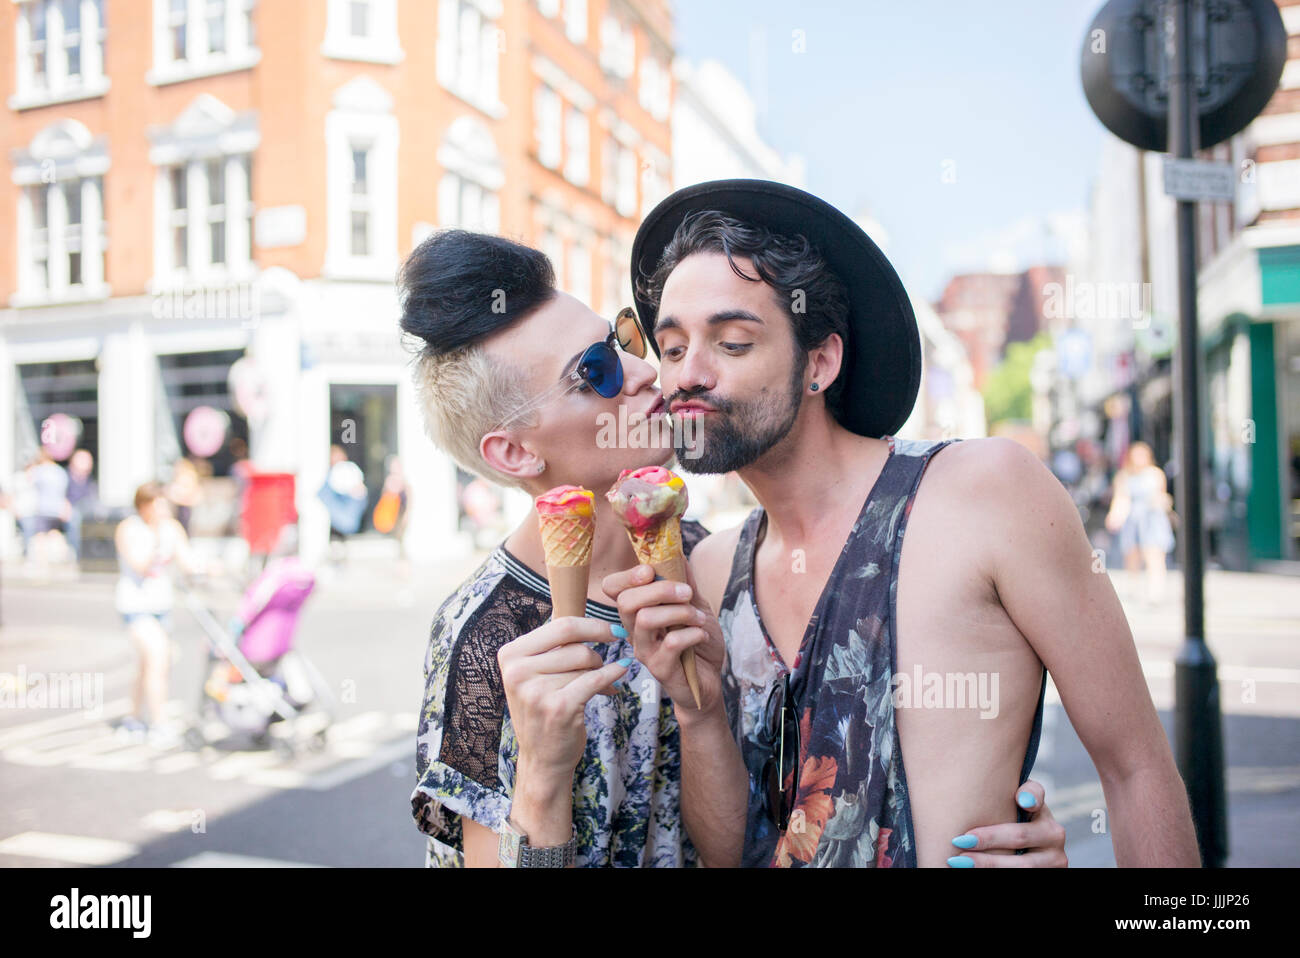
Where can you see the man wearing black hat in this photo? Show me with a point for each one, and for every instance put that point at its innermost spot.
(788, 338)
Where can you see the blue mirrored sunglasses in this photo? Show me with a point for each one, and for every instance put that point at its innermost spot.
(599, 366)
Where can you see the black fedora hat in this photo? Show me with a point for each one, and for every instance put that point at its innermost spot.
(882, 363)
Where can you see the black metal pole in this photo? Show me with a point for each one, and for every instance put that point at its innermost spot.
(1198, 735)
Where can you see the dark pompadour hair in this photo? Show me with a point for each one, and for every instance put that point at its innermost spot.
(814, 299)
(457, 288)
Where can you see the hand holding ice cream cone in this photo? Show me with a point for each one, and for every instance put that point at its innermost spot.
(650, 503)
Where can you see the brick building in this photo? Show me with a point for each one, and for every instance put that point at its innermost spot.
(195, 182)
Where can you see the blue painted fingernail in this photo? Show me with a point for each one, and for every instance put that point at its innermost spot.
(619, 684)
(1026, 800)
(624, 662)
(618, 631)
(961, 861)
(965, 841)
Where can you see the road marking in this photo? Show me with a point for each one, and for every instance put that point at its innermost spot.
(1164, 669)
(330, 778)
(228, 860)
(11, 734)
(74, 849)
(355, 747)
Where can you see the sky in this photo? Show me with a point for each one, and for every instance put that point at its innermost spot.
(961, 127)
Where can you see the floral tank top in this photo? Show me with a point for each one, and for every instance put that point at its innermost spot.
(851, 802)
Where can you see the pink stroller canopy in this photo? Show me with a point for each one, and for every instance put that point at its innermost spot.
(270, 609)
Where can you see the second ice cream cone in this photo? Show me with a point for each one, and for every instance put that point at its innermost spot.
(567, 524)
(661, 549)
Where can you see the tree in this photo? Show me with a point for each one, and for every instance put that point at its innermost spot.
(1007, 392)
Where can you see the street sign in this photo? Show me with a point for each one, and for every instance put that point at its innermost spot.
(1240, 52)
(1200, 180)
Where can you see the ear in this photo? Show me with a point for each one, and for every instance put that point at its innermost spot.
(508, 456)
(824, 362)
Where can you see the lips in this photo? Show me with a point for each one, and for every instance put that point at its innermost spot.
(690, 409)
(657, 407)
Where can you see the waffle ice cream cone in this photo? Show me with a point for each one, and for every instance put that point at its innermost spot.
(567, 521)
(650, 503)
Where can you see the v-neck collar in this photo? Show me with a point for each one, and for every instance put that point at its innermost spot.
(811, 628)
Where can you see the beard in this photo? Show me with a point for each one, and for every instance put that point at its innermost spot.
(740, 432)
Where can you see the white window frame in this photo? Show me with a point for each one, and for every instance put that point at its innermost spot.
(655, 89)
(383, 45)
(575, 20)
(62, 154)
(362, 118)
(234, 213)
(625, 200)
(468, 52)
(577, 146)
(239, 50)
(548, 111)
(580, 273)
(207, 131)
(469, 190)
(58, 86)
(617, 47)
(551, 243)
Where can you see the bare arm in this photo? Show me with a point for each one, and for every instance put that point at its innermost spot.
(1042, 567)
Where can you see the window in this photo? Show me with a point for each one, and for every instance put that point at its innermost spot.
(203, 197)
(469, 46)
(580, 273)
(180, 216)
(625, 198)
(553, 247)
(654, 186)
(467, 192)
(61, 232)
(64, 239)
(617, 47)
(656, 88)
(575, 20)
(468, 205)
(577, 138)
(549, 8)
(208, 204)
(360, 243)
(359, 23)
(361, 137)
(549, 111)
(364, 30)
(60, 52)
(195, 38)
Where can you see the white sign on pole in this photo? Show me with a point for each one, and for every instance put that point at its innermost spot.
(1200, 180)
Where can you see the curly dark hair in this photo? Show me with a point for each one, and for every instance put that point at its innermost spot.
(789, 263)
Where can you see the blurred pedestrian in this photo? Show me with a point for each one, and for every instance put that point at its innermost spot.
(151, 546)
(1139, 514)
(22, 501)
(51, 512)
(344, 495)
(390, 512)
(83, 496)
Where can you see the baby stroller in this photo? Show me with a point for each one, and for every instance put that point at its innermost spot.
(254, 676)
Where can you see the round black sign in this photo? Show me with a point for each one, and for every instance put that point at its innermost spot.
(1237, 55)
